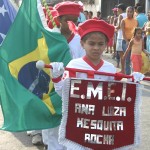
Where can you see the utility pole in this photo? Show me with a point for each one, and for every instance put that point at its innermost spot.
(147, 6)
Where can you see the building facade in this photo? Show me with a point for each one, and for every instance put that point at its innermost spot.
(105, 6)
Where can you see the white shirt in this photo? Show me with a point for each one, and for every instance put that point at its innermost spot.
(120, 36)
(76, 49)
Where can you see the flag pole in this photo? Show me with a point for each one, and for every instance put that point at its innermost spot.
(49, 13)
(40, 65)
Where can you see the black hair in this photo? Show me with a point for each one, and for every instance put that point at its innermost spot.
(91, 13)
(98, 12)
(122, 6)
(86, 11)
(136, 5)
(139, 9)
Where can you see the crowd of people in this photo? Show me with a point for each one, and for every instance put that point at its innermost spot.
(127, 20)
(125, 34)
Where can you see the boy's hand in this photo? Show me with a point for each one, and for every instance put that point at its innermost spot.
(58, 69)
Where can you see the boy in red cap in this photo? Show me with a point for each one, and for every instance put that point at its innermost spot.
(69, 12)
(95, 34)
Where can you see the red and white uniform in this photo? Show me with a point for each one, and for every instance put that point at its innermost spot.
(85, 64)
(76, 49)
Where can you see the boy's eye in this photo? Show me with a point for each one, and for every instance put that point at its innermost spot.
(91, 43)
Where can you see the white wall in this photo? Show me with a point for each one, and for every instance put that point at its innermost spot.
(96, 7)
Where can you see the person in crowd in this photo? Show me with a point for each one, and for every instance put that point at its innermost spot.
(146, 59)
(135, 8)
(65, 15)
(128, 25)
(110, 43)
(147, 32)
(67, 12)
(86, 14)
(113, 21)
(136, 46)
(98, 15)
(119, 44)
(95, 34)
(141, 17)
(81, 17)
(90, 15)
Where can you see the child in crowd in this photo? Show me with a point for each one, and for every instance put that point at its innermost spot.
(136, 46)
(95, 34)
(110, 43)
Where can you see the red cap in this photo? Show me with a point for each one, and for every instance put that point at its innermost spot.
(115, 9)
(93, 25)
(68, 8)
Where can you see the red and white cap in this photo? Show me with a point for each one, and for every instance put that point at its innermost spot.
(115, 9)
(93, 25)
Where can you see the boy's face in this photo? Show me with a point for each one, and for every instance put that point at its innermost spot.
(64, 19)
(139, 34)
(94, 46)
(129, 12)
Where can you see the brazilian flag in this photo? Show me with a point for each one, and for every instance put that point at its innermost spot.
(27, 95)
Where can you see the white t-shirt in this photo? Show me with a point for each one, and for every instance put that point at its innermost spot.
(76, 49)
(120, 36)
(85, 64)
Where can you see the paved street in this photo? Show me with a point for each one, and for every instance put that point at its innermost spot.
(20, 141)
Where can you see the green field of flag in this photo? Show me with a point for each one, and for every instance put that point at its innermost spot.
(27, 95)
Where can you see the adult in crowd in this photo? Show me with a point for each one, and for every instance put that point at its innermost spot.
(141, 17)
(81, 17)
(86, 14)
(128, 25)
(98, 15)
(135, 8)
(90, 15)
(119, 44)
